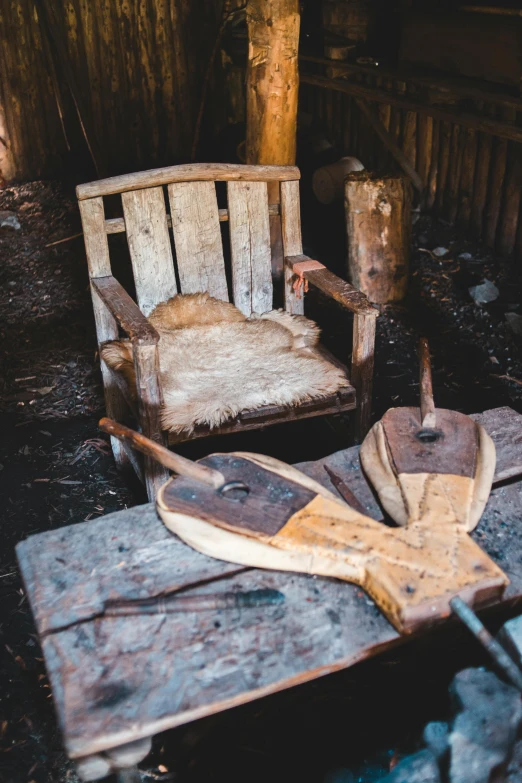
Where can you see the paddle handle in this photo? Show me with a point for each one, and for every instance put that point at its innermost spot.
(170, 460)
(427, 404)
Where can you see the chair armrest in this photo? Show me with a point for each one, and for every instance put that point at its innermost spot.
(335, 287)
(125, 310)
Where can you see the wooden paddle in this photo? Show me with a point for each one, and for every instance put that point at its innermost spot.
(429, 465)
(267, 514)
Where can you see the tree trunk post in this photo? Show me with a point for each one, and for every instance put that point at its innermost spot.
(272, 91)
(378, 224)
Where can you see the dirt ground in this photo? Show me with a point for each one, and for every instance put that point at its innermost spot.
(56, 469)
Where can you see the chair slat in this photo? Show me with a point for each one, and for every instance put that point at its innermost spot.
(96, 246)
(197, 237)
(292, 243)
(250, 246)
(149, 247)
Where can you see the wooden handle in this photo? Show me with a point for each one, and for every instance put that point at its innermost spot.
(427, 405)
(175, 462)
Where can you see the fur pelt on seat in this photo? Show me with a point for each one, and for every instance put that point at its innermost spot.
(215, 362)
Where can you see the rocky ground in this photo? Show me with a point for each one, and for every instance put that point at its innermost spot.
(56, 469)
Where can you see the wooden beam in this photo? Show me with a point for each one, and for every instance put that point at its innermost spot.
(188, 172)
(117, 225)
(272, 81)
(484, 9)
(125, 310)
(463, 87)
(335, 287)
(358, 90)
(272, 93)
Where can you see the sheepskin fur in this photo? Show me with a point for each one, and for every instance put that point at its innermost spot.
(215, 362)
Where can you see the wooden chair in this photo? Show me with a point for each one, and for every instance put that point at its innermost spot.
(195, 221)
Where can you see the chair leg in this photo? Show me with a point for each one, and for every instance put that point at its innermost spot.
(149, 399)
(362, 370)
(115, 405)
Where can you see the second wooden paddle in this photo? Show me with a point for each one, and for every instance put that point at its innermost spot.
(429, 464)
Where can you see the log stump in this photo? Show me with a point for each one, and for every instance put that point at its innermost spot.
(378, 225)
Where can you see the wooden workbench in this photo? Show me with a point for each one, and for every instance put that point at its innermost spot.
(116, 680)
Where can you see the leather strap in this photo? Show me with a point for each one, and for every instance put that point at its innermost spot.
(300, 285)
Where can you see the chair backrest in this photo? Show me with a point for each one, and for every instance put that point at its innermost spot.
(195, 220)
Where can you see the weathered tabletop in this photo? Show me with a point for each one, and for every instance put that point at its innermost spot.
(115, 680)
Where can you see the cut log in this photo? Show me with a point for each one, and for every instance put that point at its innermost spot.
(378, 223)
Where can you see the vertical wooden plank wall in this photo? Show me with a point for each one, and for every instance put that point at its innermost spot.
(134, 69)
(472, 178)
(32, 138)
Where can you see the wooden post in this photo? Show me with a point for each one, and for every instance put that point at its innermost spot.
(363, 354)
(378, 224)
(146, 364)
(272, 89)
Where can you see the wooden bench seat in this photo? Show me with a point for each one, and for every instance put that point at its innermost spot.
(116, 680)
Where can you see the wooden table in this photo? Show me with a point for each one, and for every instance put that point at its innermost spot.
(121, 680)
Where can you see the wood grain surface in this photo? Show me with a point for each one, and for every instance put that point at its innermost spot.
(149, 247)
(453, 452)
(125, 310)
(197, 236)
(268, 415)
(265, 509)
(189, 172)
(250, 246)
(115, 679)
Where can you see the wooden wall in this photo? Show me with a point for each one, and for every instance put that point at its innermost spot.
(472, 178)
(119, 81)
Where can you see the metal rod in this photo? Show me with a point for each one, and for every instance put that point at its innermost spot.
(345, 492)
(480, 632)
(249, 599)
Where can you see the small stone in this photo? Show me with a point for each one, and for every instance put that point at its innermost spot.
(484, 293)
(485, 730)
(515, 323)
(93, 768)
(9, 220)
(465, 256)
(419, 768)
(440, 251)
(510, 636)
(435, 736)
